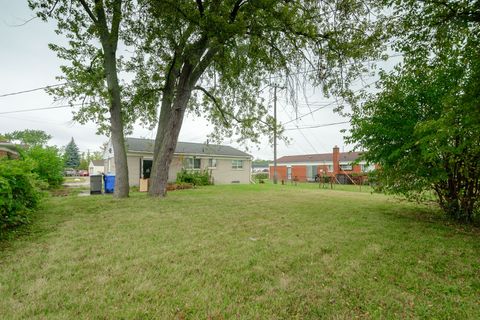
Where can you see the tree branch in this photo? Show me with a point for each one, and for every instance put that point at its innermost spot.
(236, 8)
(200, 8)
(89, 12)
(215, 102)
(224, 113)
(117, 17)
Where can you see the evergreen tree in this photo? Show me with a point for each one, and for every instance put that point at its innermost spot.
(71, 156)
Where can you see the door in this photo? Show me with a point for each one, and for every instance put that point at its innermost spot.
(146, 168)
(311, 173)
(289, 173)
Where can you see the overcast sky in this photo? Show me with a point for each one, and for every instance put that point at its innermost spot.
(27, 63)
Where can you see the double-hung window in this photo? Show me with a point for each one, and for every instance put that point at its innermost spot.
(212, 163)
(192, 163)
(237, 164)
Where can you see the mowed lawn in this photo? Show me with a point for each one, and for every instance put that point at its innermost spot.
(246, 252)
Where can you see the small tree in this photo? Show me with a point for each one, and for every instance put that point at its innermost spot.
(71, 155)
(47, 164)
(424, 130)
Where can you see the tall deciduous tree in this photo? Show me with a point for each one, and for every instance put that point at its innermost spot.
(212, 58)
(71, 155)
(93, 31)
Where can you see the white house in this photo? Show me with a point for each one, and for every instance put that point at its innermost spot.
(226, 164)
(96, 167)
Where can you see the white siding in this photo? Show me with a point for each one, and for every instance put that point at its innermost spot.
(222, 174)
(133, 163)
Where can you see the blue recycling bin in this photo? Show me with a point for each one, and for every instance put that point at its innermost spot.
(109, 182)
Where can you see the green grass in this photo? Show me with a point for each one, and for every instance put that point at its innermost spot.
(247, 252)
(74, 179)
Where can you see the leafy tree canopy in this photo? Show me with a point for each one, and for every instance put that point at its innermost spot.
(28, 137)
(423, 128)
(226, 52)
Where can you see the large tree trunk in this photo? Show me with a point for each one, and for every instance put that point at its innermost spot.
(174, 103)
(109, 42)
(165, 143)
(116, 129)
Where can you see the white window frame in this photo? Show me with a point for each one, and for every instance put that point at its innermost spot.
(212, 163)
(346, 167)
(235, 164)
(189, 163)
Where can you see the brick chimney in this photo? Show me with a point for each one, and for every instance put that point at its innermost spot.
(336, 159)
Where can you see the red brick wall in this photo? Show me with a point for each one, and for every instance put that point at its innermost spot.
(357, 168)
(300, 172)
(281, 172)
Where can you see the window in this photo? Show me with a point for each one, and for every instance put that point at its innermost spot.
(346, 167)
(367, 167)
(330, 168)
(237, 164)
(212, 163)
(191, 163)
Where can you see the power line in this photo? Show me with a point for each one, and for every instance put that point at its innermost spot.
(329, 104)
(43, 108)
(318, 126)
(345, 64)
(304, 136)
(32, 90)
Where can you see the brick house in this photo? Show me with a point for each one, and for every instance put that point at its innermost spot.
(8, 150)
(341, 166)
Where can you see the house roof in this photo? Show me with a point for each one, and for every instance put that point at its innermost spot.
(343, 156)
(97, 163)
(146, 145)
(9, 147)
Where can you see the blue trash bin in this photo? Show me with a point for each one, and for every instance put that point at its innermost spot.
(109, 183)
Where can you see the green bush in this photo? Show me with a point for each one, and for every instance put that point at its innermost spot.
(197, 178)
(19, 194)
(48, 164)
(260, 176)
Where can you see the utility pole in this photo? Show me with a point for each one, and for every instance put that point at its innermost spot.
(275, 134)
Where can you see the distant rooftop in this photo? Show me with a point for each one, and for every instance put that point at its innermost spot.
(147, 145)
(319, 157)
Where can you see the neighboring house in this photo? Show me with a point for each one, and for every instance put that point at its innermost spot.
(8, 150)
(96, 167)
(340, 165)
(226, 164)
(259, 166)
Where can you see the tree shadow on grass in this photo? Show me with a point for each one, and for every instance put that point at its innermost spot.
(431, 216)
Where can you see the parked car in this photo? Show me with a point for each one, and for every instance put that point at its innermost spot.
(69, 172)
(83, 173)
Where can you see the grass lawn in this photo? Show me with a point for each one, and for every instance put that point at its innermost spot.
(74, 179)
(247, 252)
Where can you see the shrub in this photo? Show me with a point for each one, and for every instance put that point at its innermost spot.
(260, 176)
(48, 165)
(197, 178)
(19, 194)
